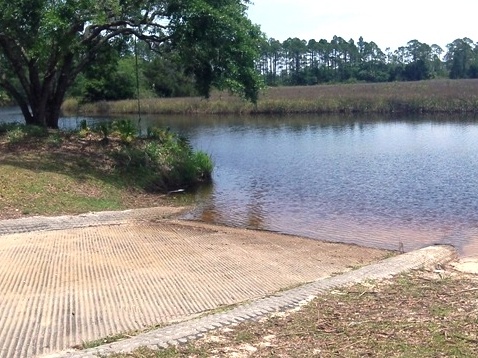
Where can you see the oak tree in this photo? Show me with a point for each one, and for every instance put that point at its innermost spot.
(46, 44)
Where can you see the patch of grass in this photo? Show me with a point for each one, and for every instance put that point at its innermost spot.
(98, 342)
(54, 139)
(52, 173)
(172, 352)
(44, 190)
(414, 315)
(16, 133)
(244, 336)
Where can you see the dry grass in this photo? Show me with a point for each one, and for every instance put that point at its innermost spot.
(420, 314)
(434, 96)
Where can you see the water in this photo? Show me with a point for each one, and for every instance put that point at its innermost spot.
(383, 183)
(387, 182)
(14, 115)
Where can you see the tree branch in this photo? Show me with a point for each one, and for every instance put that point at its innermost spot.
(16, 58)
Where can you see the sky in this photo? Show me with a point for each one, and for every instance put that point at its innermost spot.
(387, 23)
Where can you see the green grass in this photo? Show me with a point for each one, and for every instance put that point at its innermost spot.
(101, 341)
(43, 186)
(52, 173)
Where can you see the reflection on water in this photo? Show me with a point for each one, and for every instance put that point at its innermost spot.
(386, 182)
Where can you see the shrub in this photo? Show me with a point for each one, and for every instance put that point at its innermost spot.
(16, 133)
(55, 140)
(204, 165)
(126, 130)
(35, 131)
(104, 129)
(161, 134)
(5, 127)
(167, 163)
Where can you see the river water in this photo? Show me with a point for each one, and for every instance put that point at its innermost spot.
(395, 183)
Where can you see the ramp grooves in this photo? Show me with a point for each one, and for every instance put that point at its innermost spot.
(60, 288)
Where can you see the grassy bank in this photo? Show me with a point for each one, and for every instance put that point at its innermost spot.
(50, 173)
(434, 96)
(419, 314)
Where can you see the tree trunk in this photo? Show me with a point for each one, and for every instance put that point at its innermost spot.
(53, 112)
(25, 108)
(43, 113)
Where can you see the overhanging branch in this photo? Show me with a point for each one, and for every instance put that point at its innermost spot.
(16, 59)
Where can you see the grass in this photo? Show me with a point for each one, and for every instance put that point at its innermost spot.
(101, 341)
(432, 96)
(419, 314)
(37, 182)
(28, 189)
(52, 173)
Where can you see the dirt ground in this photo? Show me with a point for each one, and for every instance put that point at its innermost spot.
(418, 314)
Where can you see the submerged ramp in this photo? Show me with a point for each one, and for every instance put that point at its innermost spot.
(64, 287)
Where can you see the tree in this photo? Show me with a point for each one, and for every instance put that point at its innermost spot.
(269, 66)
(459, 57)
(46, 44)
(110, 77)
(165, 76)
(419, 61)
(296, 52)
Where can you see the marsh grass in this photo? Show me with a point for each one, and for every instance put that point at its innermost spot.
(433, 96)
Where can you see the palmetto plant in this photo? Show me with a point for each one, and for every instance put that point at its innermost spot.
(126, 130)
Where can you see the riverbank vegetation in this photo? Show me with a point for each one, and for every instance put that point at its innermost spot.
(431, 96)
(103, 168)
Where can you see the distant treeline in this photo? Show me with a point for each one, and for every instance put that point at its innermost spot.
(123, 70)
(300, 62)
(293, 62)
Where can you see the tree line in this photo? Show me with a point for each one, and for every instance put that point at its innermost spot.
(299, 62)
(288, 63)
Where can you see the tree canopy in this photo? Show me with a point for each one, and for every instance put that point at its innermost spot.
(46, 44)
(299, 62)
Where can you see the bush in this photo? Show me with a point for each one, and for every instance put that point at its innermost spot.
(55, 140)
(126, 130)
(35, 131)
(162, 135)
(166, 162)
(161, 162)
(16, 133)
(5, 127)
(104, 129)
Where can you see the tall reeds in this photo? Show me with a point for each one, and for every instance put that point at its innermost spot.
(433, 96)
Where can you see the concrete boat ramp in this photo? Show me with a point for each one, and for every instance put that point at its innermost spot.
(142, 273)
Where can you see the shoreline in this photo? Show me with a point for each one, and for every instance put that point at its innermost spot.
(420, 97)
